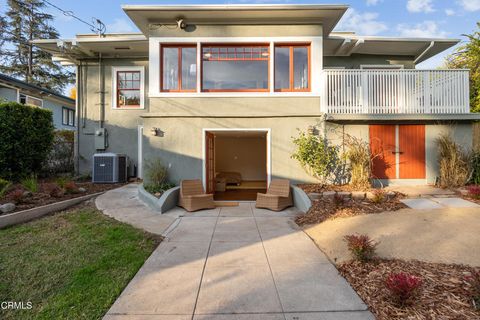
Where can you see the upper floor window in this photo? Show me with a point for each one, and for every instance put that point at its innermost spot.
(292, 68)
(235, 67)
(68, 117)
(179, 68)
(128, 87)
(24, 99)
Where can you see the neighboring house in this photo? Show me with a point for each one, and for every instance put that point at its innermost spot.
(62, 107)
(221, 90)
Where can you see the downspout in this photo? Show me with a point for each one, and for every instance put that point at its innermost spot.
(101, 79)
(76, 142)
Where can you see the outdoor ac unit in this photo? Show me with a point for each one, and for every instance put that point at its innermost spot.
(109, 168)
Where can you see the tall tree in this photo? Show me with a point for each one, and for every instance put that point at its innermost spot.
(25, 21)
(467, 56)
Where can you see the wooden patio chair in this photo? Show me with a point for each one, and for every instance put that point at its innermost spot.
(193, 197)
(278, 196)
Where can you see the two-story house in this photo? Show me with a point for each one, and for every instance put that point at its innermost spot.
(218, 91)
(62, 107)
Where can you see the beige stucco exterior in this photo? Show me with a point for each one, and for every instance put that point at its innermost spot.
(182, 121)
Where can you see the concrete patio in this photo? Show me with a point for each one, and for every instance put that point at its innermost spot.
(237, 263)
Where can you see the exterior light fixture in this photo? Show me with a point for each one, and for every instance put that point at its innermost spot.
(311, 130)
(154, 131)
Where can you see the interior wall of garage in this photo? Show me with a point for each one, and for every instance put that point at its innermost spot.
(246, 155)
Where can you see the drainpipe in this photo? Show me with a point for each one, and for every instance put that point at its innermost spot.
(101, 79)
(76, 144)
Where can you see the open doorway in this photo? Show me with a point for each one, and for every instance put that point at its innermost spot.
(236, 163)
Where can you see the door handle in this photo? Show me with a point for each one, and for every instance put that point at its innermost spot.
(395, 152)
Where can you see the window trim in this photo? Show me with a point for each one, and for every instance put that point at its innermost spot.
(69, 112)
(291, 46)
(180, 47)
(235, 44)
(115, 71)
(31, 97)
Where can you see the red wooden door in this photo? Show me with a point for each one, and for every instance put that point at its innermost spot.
(382, 147)
(412, 151)
(210, 162)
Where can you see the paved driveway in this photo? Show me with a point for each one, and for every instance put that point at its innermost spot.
(238, 263)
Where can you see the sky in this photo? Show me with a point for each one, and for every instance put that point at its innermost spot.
(403, 18)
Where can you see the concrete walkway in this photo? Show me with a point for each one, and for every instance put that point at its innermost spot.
(230, 263)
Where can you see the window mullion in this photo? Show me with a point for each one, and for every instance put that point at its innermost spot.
(291, 70)
(179, 68)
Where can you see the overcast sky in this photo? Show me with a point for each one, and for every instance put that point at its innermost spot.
(405, 18)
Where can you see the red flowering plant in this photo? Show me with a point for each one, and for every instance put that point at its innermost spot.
(403, 287)
(474, 191)
(361, 246)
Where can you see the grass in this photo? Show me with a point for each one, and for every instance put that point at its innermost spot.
(72, 265)
(30, 183)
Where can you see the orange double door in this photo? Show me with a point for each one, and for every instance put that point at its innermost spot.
(398, 151)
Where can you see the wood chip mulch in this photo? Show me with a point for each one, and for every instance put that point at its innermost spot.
(40, 198)
(319, 188)
(325, 209)
(444, 292)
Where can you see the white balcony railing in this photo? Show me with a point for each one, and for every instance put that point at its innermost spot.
(395, 91)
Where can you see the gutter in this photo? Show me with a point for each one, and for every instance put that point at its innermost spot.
(430, 46)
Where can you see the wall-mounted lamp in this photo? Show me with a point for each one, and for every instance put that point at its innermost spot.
(311, 130)
(154, 131)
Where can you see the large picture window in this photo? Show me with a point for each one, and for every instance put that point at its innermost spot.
(292, 68)
(235, 68)
(179, 68)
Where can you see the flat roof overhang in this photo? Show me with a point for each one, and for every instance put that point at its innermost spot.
(379, 118)
(327, 15)
(346, 44)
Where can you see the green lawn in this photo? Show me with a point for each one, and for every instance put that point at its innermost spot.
(72, 265)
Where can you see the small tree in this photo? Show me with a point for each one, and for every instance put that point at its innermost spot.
(316, 156)
(467, 56)
(26, 139)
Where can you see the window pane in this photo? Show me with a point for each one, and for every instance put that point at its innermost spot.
(34, 102)
(170, 68)
(282, 68)
(136, 76)
(300, 68)
(235, 74)
(65, 116)
(189, 68)
(71, 117)
(128, 98)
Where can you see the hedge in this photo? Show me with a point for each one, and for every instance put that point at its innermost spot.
(26, 139)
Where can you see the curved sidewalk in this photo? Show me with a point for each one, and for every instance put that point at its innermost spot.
(230, 263)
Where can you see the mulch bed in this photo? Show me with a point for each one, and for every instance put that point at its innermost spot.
(319, 188)
(325, 209)
(41, 198)
(444, 293)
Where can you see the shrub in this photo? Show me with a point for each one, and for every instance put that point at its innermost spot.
(361, 247)
(453, 161)
(156, 176)
(30, 183)
(378, 196)
(359, 157)
(62, 181)
(17, 196)
(316, 156)
(475, 165)
(26, 139)
(403, 287)
(159, 188)
(473, 281)
(474, 191)
(61, 156)
(53, 190)
(4, 186)
(71, 187)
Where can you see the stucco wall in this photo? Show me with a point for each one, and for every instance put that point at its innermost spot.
(121, 125)
(240, 31)
(356, 60)
(181, 144)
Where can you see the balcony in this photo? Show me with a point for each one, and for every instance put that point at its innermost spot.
(393, 92)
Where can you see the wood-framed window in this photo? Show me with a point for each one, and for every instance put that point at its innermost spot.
(235, 67)
(68, 117)
(128, 89)
(292, 67)
(178, 68)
